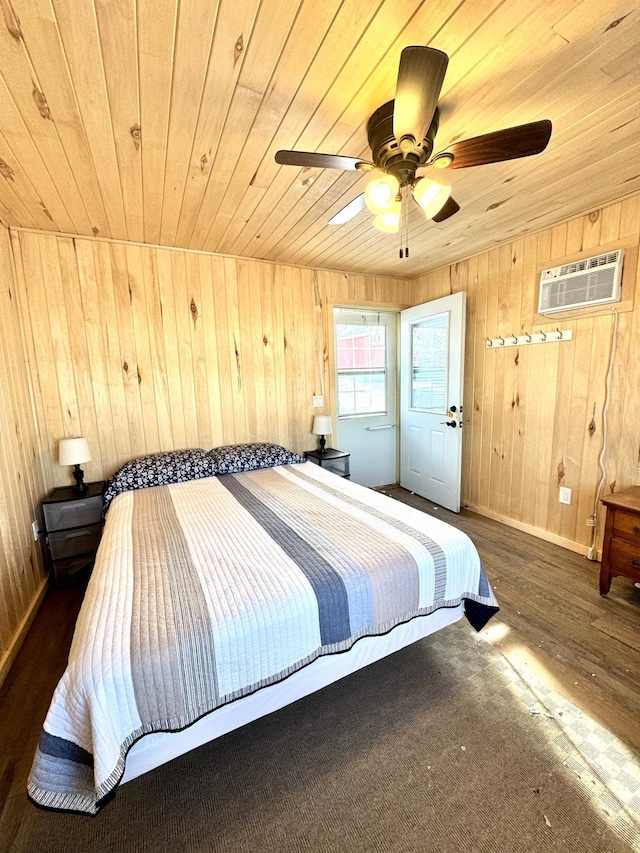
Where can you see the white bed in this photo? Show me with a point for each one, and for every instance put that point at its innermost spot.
(156, 749)
(222, 598)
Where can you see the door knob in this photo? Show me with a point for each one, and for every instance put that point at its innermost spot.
(449, 423)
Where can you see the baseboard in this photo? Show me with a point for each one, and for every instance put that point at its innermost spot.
(576, 547)
(18, 638)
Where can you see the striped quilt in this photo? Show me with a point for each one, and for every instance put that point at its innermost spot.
(205, 591)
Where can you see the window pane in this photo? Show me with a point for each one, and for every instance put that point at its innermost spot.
(429, 348)
(346, 397)
(362, 382)
(362, 392)
(361, 345)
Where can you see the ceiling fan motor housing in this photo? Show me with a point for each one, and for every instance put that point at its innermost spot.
(386, 151)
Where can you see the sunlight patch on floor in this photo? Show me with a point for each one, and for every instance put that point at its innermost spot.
(607, 769)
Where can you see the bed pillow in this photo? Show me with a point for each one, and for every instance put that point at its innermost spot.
(234, 458)
(158, 470)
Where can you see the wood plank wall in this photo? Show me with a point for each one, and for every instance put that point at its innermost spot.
(143, 350)
(22, 579)
(534, 414)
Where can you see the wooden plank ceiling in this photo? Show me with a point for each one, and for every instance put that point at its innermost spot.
(157, 120)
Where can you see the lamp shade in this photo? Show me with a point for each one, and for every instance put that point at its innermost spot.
(73, 451)
(430, 196)
(380, 193)
(389, 221)
(321, 425)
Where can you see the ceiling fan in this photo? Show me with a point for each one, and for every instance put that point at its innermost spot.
(401, 136)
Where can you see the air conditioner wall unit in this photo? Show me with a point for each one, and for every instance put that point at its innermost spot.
(582, 284)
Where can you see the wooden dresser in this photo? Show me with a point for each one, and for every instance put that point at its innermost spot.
(621, 547)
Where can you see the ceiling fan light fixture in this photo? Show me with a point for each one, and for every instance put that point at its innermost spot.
(380, 194)
(389, 222)
(430, 196)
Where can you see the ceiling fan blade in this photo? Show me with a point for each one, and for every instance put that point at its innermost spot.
(508, 144)
(420, 78)
(349, 211)
(450, 207)
(319, 161)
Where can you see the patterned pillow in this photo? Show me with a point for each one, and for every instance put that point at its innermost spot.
(235, 458)
(158, 470)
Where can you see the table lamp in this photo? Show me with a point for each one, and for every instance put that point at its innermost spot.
(322, 427)
(75, 451)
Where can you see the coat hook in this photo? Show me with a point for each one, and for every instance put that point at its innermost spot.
(489, 342)
(528, 337)
(559, 334)
(501, 341)
(515, 338)
(543, 334)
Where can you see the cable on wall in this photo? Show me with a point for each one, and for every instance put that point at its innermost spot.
(592, 553)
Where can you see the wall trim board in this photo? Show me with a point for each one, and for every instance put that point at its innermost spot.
(538, 532)
(19, 637)
(93, 239)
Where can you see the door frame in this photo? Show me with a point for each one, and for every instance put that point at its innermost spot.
(352, 431)
(331, 407)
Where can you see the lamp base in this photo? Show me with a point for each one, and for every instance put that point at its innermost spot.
(323, 449)
(78, 475)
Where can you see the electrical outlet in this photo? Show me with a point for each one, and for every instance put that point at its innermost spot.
(35, 528)
(318, 401)
(564, 495)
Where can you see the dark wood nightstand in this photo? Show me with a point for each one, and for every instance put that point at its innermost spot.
(73, 527)
(621, 547)
(333, 460)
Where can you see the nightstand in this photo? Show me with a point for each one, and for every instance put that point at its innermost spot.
(73, 527)
(621, 546)
(333, 460)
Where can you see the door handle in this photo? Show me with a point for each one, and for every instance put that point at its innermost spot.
(449, 423)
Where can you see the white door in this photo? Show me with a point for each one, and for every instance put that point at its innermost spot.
(367, 416)
(432, 361)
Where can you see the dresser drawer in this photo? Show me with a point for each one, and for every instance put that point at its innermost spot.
(626, 525)
(624, 558)
(77, 513)
(73, 570)
(68, 543)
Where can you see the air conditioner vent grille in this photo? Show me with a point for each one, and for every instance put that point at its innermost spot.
(585, 283)
(589, 263)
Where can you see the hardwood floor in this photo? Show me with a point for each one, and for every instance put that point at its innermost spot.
(552, 621)
(555, 622)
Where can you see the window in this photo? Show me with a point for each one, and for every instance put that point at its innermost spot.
(362, 370)
(429, 346)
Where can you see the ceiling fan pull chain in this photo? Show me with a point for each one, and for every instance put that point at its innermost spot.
(406, 227)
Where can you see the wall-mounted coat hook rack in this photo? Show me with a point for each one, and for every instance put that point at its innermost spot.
(536, 338)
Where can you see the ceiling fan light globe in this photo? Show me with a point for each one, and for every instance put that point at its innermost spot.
(430, 196)
(380, 194)
(389, 222)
